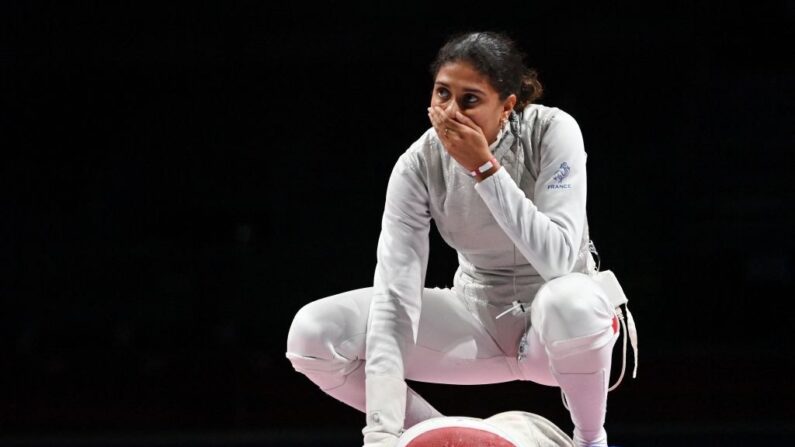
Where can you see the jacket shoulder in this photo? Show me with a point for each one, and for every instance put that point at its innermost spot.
(419, 153)
(539, 114)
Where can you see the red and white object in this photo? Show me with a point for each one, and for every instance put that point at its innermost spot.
(456, 432)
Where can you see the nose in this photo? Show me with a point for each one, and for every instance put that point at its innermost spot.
(451, 108)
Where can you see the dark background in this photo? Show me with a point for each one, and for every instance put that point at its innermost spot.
(178, 179)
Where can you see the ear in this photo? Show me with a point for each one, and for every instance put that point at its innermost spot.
(508, 105)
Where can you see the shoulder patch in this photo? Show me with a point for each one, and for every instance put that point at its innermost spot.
(560, 175)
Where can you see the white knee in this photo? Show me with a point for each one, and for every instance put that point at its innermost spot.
(313, 346)
(309, 332)
(571, 307)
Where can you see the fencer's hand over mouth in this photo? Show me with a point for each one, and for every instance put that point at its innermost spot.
(462, 138)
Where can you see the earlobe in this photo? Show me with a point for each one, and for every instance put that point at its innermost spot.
(510, 103)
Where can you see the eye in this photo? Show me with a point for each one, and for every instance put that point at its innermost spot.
(470, 99)
(442, 93)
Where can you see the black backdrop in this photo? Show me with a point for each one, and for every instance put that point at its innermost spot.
(180, 178)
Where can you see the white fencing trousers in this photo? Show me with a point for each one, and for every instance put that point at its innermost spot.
(460, 341)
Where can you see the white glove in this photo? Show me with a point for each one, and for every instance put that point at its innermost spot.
(386, 410)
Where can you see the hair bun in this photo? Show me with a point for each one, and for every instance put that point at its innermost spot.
(530, 90)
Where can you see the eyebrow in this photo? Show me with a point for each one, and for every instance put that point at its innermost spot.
(466, 89)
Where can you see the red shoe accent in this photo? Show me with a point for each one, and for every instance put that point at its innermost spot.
(459, 437)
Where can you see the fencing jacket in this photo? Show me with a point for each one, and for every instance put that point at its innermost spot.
(520, 227)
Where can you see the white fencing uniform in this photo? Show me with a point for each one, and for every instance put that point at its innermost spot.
(522, 242)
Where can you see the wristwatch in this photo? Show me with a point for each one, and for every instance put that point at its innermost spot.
(484, 167)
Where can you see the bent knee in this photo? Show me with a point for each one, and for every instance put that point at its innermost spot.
(309, 332)
(329, 321)
(568, 297)
(330, 329)
(318, 346)
(571, 306)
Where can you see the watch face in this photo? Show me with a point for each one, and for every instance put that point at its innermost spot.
(485, 167)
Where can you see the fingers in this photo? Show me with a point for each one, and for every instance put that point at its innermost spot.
(440, 123)
(465, 120)
(445, 124)
(461, 137)
(435, 121)
(438, 120)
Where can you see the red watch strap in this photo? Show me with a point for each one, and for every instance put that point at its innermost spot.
(484, 167)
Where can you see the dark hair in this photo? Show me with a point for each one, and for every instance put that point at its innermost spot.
(497, 57)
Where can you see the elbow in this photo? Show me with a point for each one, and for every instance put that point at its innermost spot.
(562, 264)
(556, 271)
(571, 256)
